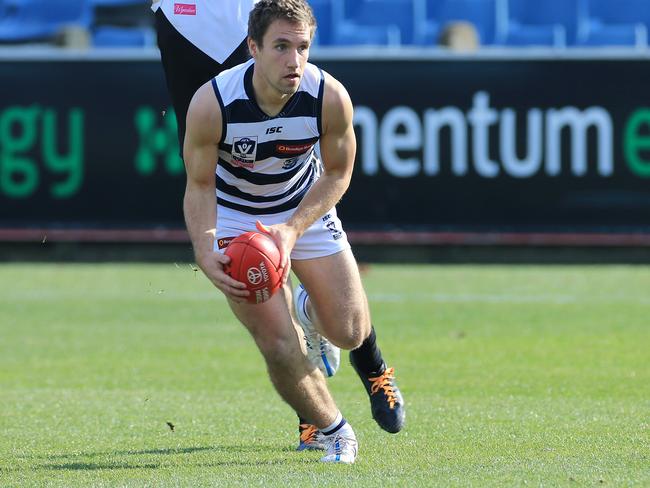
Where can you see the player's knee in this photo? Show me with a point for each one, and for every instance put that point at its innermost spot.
(278, 349)
(351, 332)
(351, 341)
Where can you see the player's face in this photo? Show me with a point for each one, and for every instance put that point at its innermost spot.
(282, 59)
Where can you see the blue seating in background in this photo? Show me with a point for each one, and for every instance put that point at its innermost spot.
(614, 23)
(122, 13)
(110, 36)
(41, 20)
(116, 3)
(324, 13)
(437, 13)
(122, 23)
(543, 23)
(617, 11)
(387, 22)
(555, 23)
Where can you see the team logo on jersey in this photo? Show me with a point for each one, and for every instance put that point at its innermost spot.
(244, 150)
(290, 163)
(184, 9)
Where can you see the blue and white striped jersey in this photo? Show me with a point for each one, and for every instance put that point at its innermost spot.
(267, 164)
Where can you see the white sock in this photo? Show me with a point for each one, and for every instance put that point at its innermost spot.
(338, 423)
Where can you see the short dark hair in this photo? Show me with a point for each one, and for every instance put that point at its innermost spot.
(266, 12)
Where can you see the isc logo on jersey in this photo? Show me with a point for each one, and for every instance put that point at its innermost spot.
(244, 150)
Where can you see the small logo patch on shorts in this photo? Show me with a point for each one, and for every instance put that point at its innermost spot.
(223, 242)
(336, 233)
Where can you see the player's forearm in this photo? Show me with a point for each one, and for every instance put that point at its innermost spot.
(200, 209)
(322, 196)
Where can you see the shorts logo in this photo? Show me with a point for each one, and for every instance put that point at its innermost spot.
(184, 9)
(292, 148)
(223, 242)
(244, 150)
(254, 276)
(336, 234)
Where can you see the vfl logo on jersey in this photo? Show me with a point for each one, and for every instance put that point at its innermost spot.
(184, 9)
(244, 150)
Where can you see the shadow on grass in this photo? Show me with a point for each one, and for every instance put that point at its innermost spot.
(167, 451)
(95, 466)
(76, 464)
(114, 466)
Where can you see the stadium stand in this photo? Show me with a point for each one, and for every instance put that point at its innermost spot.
(379, 22)
(123, 13)
(609, 23)
(529, 23)
(122, 23)
(116, 36)
(324, 10)
(25, 21)
(435, 14)
(510, 23)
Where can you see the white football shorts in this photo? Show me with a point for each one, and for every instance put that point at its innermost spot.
(324, 238)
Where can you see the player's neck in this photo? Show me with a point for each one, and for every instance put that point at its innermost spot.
(268, 99)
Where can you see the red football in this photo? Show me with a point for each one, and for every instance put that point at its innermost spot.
(254, 260)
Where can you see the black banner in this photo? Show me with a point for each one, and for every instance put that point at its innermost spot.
(473, 145)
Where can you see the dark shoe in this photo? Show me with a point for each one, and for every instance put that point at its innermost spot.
(386, 402)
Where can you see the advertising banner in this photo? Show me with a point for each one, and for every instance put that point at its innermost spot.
(476, 145)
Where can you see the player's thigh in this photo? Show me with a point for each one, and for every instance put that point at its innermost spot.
(337, 295)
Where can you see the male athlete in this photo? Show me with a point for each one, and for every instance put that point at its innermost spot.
(257, 125)
(198, 39)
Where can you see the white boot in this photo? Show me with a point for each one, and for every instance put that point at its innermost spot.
(321, 352)
(342, 446)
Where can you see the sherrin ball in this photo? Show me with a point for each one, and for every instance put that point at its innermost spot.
(254, 260)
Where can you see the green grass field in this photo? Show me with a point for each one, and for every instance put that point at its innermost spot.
(512, 376)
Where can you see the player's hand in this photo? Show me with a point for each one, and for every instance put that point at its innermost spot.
(212, 265)
(285, 238)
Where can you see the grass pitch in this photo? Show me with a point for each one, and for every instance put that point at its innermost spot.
(512, 376)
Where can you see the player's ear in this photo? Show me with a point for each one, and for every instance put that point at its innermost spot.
(252, 46)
